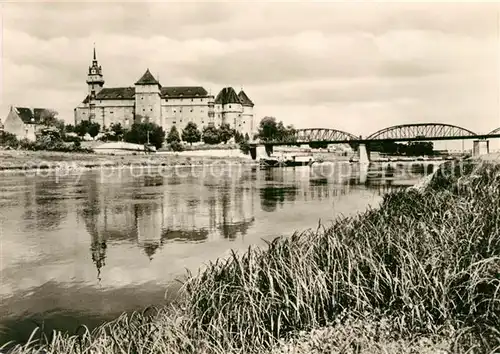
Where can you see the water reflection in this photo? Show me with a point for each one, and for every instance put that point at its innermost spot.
(43, 207)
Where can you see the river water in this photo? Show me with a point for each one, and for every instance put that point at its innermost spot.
(84, 247)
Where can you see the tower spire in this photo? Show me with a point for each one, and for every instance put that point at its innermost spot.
(95, 59)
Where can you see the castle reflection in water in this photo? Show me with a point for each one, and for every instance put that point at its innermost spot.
(153, 210)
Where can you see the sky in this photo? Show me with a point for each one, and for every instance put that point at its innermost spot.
(357, 67)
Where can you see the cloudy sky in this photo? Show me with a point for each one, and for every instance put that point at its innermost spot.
(356, 67)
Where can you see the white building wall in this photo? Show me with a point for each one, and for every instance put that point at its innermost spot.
(180, 112)
(108, 112)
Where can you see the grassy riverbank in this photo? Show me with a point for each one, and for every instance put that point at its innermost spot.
(19, 160)
(418, 274)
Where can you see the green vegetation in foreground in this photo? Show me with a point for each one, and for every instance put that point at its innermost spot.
(418, 274)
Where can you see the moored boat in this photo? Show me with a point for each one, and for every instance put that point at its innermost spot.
(287, 161)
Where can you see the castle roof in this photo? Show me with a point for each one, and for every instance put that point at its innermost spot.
(183, 91)
(127, 93)
(147, 79)
(227, 95)
(245, 101)
(116, 93)
(29, 116)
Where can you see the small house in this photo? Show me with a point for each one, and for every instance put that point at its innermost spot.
(24, 122)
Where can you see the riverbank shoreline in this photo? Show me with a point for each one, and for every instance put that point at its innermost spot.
(16, 161)
(407, 271)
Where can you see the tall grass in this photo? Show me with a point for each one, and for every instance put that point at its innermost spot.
(428, 261)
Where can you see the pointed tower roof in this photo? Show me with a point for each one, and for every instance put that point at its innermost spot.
(147, 79)
(245, 101)
(227, 95)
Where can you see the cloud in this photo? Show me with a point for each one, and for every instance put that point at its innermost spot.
(393, 62)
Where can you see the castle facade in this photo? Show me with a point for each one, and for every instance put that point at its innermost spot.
(167, 106)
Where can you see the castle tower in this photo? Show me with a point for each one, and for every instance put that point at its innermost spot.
(228, 106)
(148, 99)
(247, 122)
(211, 110)
(95, 82)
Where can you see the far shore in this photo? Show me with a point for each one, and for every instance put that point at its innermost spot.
(15, 160)
(21, 160)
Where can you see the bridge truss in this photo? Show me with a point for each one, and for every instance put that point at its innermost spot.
(420, 131)
(305, 136)
(495, 131)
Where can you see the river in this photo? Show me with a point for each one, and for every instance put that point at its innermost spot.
(81, 248)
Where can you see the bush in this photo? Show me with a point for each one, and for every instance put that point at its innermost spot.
(71, 138)
(211, 135)
(176, 146)
(8, 139)
(245, 147)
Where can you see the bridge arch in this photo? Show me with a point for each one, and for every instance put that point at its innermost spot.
(427, 130)
(322, 134)
(495, 131)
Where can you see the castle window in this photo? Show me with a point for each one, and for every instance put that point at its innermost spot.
(191, 100)
(191, 110)
(166, 99)
(111, 112)
(151, 109)
(144, 109)
(229, 106)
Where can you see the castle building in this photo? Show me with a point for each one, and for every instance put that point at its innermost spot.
(167, 106)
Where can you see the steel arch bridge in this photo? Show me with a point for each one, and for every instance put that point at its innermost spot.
(421, 131)
(308, 135)
(495, 131)
(322, 134)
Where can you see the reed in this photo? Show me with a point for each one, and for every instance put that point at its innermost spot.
(425, 263)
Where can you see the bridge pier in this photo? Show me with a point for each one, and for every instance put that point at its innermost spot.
(260, 151)
(481, 147)
(363, 154)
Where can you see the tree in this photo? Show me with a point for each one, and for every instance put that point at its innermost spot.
(247, 138)
(211, 135)
(191, 134)
(225, 132)
(69, 128)
(139, 132)
(270, 129)
(8, 139)
(93, 129)
(244, 147)
(82, 128)
(48, 117)
(173, 135)
(238, 137)
(420, 148)
(117, 130)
